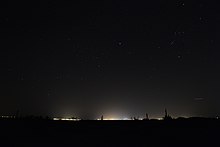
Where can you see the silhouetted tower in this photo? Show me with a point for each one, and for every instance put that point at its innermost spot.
(166, 113)
(147, 116)
(102, 117)
(167, 116)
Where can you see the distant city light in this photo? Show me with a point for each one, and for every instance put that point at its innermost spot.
(111, 119)
(114, 118)
(6, 116)
(67, 119)
(125, 118)
(159, 118)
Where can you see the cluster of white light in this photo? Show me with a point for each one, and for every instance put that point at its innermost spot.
(7, 116)
(67, 119)
(125, 118)
(159, 118)
(112, 118)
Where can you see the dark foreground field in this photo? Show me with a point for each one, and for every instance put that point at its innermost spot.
(109, 133)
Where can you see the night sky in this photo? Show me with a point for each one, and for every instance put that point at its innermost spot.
(113, 58)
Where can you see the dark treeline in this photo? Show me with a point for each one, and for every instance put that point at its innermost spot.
(166, 117)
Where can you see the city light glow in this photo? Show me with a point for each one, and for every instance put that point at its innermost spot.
(114, 118)
(67, 119)
(6, 116)
(159, 118)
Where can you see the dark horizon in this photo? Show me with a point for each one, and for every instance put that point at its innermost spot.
(120, 58)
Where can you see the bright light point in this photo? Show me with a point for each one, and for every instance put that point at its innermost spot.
(159, 118)
(56, 118)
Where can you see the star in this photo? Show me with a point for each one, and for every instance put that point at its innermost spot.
(179, 57)
(120, 43)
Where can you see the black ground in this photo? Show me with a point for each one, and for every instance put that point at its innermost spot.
(109, 133)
